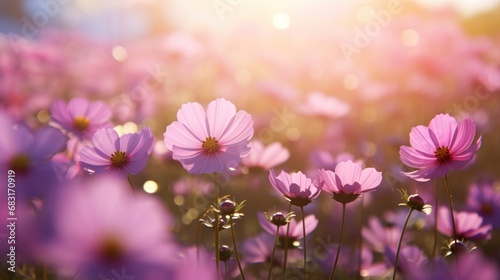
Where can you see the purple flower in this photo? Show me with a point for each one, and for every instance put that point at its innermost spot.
(295, 187)
(100, 227)
(211, 141)
(469, 225)
(378, 236)
(485, 200)
(266, 157)
(350, 180)
(80, 117)
(29, 155)
(117, 155)
(442, 145)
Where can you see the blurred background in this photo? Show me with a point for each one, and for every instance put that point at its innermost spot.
(322, 77)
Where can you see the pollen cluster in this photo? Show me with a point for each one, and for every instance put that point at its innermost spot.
(442, 154)
(118, 159)
(210, 145)
(81, 123)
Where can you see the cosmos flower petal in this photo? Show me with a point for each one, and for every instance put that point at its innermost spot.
(273, 155)
(330, 181)
(429, 172)
(240, 129)
(192, 115)
(443, 126)
(128, 142)
(265, 224)
(370, 179)
(411, 157)
(177, 134)
(311, 223)
(60, 113)
(136, 164)
(78, 106)
(219, 113)
(421, 141)
(47, 141)
(463, 137)
(348, 172)
(106, 140)
(90, 159)
(99, 111)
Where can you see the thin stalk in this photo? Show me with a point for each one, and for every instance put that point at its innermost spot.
(304, 237)
(360, 239)
(399, 244)
(340, 242)
(216, 241)
(434, 248)
(286, 244)
(451, 209)
(272, 254)
(236, 249)
(226, 270)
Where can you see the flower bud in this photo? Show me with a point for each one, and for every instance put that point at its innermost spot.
(225, 253)
(278, 219)
(227, 207)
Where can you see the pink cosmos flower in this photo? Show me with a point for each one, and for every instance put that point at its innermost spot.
(484, 199)
(80, 117)
(101, 229)
(211, 141)
(118, 155)
(295, 187)
(441, 145)
(266, 157)
(469, 225)
(350, 180)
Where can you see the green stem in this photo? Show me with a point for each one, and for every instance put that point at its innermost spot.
(286, 243)
(399, 245)
(236, 249)
(272, 254)
(451, 209)
(217, 253)
(304, 237)
(340, 242)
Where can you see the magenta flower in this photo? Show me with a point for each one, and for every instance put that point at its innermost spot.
(350, 180)
(442, 145)
(28, 154)
(100, 228)
(211, 141)
(295, 187)
(266, 157)
(484, 199)
(469, 225)
(117, 155)
(79, 117)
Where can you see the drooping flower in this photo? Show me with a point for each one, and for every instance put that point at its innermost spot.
(81, 117)
(485, 200)
(295, 187)
(101, 228)
(211, 141)
(295, 233)
(469, 225)
(441, 145)
(350, 180)
(28, 154)
(266, 157)
(118, 155)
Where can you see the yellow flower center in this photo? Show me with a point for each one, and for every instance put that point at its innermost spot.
(20, 163)
(442, 154)
(210, 145)
(118, 159)
(81, 123)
